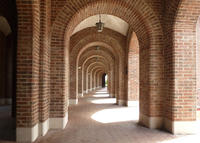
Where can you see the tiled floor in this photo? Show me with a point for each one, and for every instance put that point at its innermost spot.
(96, 119)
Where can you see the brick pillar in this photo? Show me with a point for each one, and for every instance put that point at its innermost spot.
(28, 70)
(108, 83)
(97, 85)
(44, 92)
(80, 81)
(100, 79)
(89, 81)
(84, 79)
(93, 80)
(73, 80)
(151, 86)
(181, 112)
(112, 81)
(94, 76)
(117, 82)
(122, 98)
(97, 81)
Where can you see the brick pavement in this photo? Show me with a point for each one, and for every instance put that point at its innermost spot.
(86, 126)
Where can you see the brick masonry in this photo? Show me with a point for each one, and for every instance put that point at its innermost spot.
(157, 62)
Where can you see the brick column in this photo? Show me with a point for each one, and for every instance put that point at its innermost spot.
(73, 80)
(44, 86)
(28, 70)
(89, 82)
(80, 82)
(122, 98)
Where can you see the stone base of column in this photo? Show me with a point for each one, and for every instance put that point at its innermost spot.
(133, 103)
(73, 101)
(27, 135)
(112, 95)
(80, 94)
(181, 127)
(127, 103)
(151, 122)
(43, 127)
(121, 102)
(58, 123)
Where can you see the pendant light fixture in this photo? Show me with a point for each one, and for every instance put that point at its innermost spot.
(99, 25)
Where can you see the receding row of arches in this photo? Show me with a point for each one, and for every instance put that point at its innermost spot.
(60, 59)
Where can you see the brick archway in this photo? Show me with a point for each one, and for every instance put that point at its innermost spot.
(42, 71)
(142, 22)
(180, 116)
(93, 66)
(88, 63)
(88, 54)
(108, 39)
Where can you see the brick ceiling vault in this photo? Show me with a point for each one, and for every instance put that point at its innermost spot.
(93, 62)
(97, 58)
(141, 19)
(110, 43)
(137, 13)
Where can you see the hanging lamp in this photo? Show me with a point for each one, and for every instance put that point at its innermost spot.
(99, 25)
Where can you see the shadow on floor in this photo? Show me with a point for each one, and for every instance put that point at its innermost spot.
(7, 124)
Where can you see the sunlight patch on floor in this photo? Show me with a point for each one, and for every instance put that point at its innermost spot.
(184, 139)
(104, 101)
(101, 95)
(116, 115)
(101, 92)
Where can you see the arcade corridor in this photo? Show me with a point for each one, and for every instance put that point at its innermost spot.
(97, 119)
(57, 55)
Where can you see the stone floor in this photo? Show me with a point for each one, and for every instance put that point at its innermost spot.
(7, 125)
(97, 119)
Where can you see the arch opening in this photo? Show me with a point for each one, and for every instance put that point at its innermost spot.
(8, 48)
